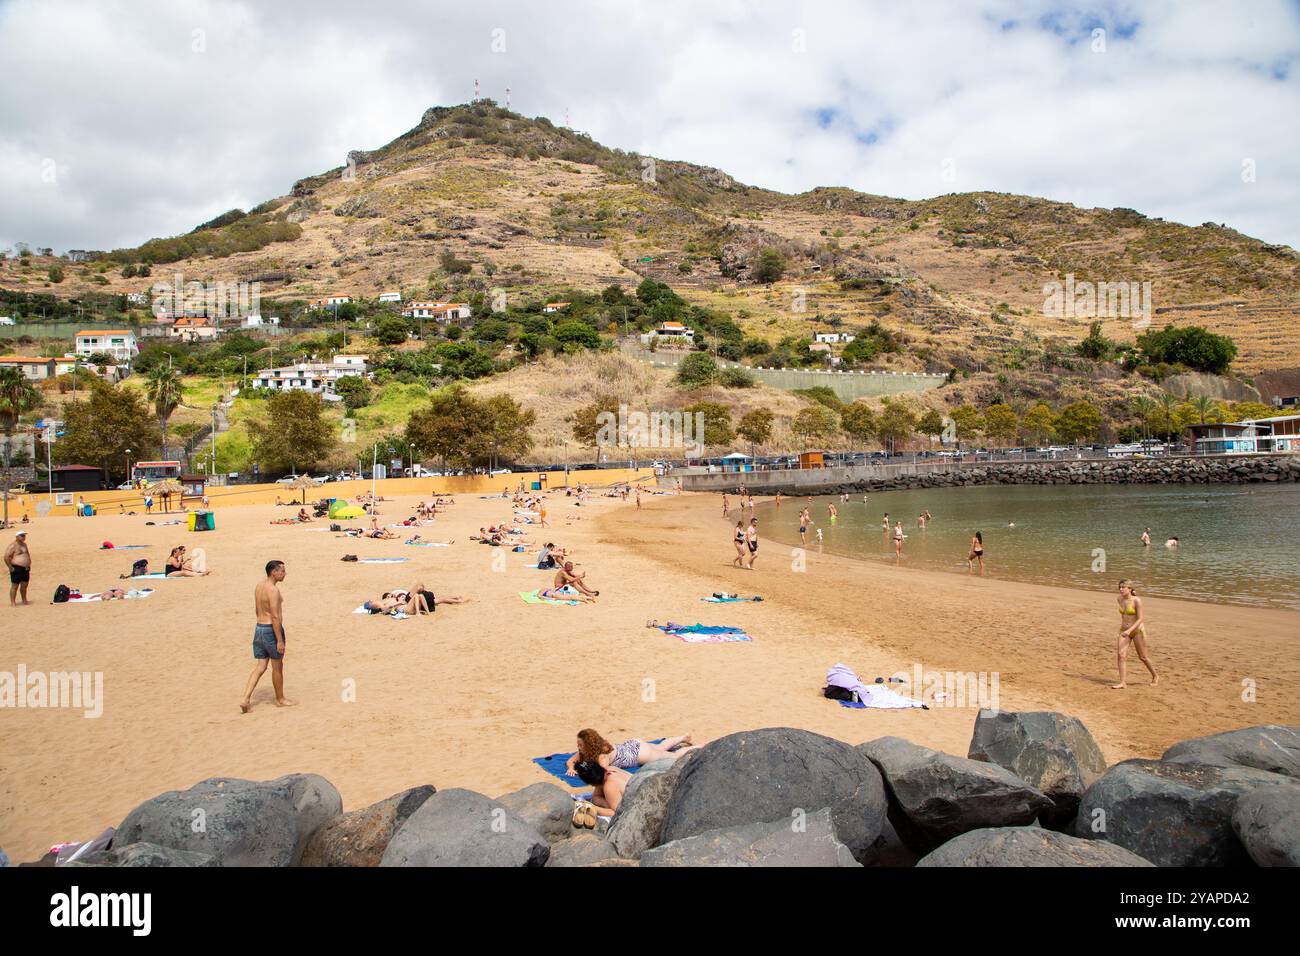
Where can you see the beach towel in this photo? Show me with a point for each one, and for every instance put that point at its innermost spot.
(395, 614)
(124, 547)
(714, 599)
(427, 544)
(704, 633)
(383, 560)
(876, 696)
(532, 597)
(555, 764)
(152, 574)
(132, 594)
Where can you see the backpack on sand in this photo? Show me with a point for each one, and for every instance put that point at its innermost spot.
(61, 594)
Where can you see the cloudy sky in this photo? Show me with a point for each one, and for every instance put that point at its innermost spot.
(125, 120)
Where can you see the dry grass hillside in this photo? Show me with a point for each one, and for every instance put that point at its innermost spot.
(537, 209)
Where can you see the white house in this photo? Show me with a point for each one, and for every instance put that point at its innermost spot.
(831, 338)
(200, 329)
(254, 320)
(390, 297)
(555, 306)
(6, 320)
(330, 301)
(119, 343)
(318, 377)
(438, 311)
(669, 330)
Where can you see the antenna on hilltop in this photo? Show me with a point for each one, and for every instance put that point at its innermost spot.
(476, 89)
(507, 97)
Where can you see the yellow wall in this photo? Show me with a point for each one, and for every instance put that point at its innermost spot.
(111, 501)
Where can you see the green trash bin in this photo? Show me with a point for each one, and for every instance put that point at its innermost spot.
(537, 486)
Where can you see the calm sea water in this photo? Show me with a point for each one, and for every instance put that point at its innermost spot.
(1239, 544)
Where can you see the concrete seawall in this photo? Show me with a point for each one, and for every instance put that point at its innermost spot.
(940, 474)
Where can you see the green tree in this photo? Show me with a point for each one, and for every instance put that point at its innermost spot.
(755, 427)
(55, 274)
(450, 428)
(508, 427)
(164, 388)
(1000, 422)
(1096, 346)
(18, 396)
(930, 424)
(1078, 422)
(769, 266)
(816, 423)
(296, 434)
(354, 390)
(576, 335)
(967, 422)
(1039, 423)
(858, 421)
(697, 370)
(1145, 408)
(99, 428)
(717, 422)
(588, 420)
(895, 424)
(1189, 345)
(391, 330)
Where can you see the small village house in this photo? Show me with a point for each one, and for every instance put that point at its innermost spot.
(36, 369)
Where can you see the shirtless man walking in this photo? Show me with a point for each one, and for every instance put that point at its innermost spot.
(18, 561)
(268, 637)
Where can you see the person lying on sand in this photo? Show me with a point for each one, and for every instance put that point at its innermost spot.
(607, 784)
(416, 539)
(567, 577)
(416, 600)
(627, 755)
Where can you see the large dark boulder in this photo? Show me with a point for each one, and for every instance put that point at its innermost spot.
(545, 807)
(144, 854)
(1049, 751)
(464, 828)
(237, 822)
(581, 849)
(638, 824)
(809, 841)
(1267, 822)
(359, 837)
(1028, 846)
(770, 776)
(1272, 747)
(1173, 814)
(935, 796)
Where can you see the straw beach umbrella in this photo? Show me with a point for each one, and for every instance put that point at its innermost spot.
(304, 482)
(165, 489)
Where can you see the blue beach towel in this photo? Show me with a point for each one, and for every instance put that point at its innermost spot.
(555, 764)
(383, 560)
(729, 600)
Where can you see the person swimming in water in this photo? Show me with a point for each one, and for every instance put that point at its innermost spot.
(1146, 538)
(1132, 630)
(1172, 543)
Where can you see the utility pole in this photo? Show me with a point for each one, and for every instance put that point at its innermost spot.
(214, 441)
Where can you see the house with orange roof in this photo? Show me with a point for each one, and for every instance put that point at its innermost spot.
(438, 311)
(555, 306)
(194, 328)
(36, 369)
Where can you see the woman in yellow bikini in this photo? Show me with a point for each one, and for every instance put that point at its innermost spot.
(1132, 630)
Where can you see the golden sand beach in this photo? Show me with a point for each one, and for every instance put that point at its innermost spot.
(467, 697)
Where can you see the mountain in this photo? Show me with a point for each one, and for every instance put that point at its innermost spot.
(536, 209)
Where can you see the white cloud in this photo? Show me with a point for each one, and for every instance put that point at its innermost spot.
(154, 127)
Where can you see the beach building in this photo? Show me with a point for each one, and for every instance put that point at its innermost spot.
(1279, 434)
(119, 343)
(36, 369)
(438, 311)
(316, 377)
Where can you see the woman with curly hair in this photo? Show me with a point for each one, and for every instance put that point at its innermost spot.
(628, 755)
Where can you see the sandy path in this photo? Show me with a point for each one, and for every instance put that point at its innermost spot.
(468, 697)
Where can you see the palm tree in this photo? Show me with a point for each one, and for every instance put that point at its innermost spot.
(1145, 407)
(17, 396)
(1167, 403)
(165, 391)
(1204, 406)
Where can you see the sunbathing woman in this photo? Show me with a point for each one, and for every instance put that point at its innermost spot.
(416, 600)
(607, 785)
(627, 755)
(178, 566)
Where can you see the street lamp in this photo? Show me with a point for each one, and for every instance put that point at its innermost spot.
(128, 466)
